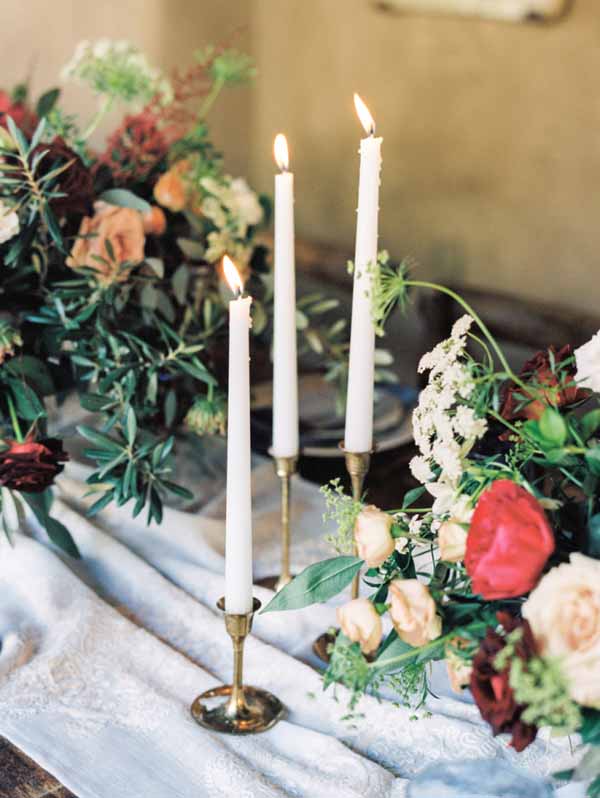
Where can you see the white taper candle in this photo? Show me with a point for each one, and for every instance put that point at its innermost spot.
(285, 361)
(359, 405)
(238, 524)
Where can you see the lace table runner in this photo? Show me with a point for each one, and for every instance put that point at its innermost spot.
(101, 659)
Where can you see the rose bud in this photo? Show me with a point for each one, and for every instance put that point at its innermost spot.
(564, 614)
(452, 541)
(361, 623)
(31, 466)
(373, 536)
(509, 542)
(413, 612)
(155, 221)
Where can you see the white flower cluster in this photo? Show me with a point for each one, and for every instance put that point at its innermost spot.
(118, 69)
(444, 427)
(9, 223)
(232, 207)
(587, 358)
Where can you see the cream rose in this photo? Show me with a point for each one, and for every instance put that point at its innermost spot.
(459, 669)
(9, 223)
(564, 614)
(361, 623)
(587, 358)
(452, 541)
(373, 537)
(412, 610)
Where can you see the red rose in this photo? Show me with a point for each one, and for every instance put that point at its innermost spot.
(31, 466)
(491, 688)
(509, 542)
(551, 385)
(135, 149)
(23, 117)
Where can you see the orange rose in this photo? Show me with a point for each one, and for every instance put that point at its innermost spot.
(361, 623)
(124, 228)
(413, 612)
(155, 221)
(170, 190)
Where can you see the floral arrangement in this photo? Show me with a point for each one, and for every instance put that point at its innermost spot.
(110, 276)
(498, 573)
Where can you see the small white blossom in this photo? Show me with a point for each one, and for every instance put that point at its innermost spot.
(467, 425)
(401, 544)
(415, 524)
(462, 326)
(462, 510)
(9, 223)
(587, 358)
(420, 469)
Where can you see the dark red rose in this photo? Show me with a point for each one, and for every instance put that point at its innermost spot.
(23, 117)
(491, 688)
(555, 387)
(136, 148)
(509, 542)
(31, 466)
(75, 182)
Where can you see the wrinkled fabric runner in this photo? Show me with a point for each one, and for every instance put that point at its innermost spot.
(101, 660)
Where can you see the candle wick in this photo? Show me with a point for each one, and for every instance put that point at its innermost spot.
(372, 133)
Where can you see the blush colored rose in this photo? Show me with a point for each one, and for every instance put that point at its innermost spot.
(361, 623)
(564, 614)
(31, 466)
(509, 542)
(413, 612)
(452, 541)
(124, 228)
(491, 688)
(548, 388)
(372, 535)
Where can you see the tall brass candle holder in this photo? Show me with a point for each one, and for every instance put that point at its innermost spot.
(285, 468)
(246, 710)
(357, 466)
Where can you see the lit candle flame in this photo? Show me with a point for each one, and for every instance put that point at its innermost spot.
(232, 276)
(364, 115)
(282, 158)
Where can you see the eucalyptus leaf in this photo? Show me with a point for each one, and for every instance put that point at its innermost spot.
(125, 199)
(553, 428)
(316, 584)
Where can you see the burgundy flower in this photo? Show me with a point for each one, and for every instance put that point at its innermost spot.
(491, 688)
(31, 466)
(75, 182)
(550, 386)
(135, 149)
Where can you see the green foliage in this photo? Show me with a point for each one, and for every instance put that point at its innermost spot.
(343, 510)
(316, 584)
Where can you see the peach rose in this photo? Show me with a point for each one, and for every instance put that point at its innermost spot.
(155, 221)
(412, 610)
(373, 537)
(361, 623)
(170, 190)
(564, 614)
(123, 227)
(459, 669)
(452, 541)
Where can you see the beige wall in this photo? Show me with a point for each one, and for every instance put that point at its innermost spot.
(491, 131)
(491, 137)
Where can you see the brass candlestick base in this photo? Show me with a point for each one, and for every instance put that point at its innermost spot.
(285, 468)
(247, 710)
(357, 466)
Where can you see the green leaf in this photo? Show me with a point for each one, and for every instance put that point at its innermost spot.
(393, 647)
(131, 426)
(590, 728)
(98, 439)
(593, 541)
(180, 282)
(316, 584)
(60, 535)
(94, 402)
(28, 405)
(170, 407)
(590, 423)
(553, 427)
(411, 497)
(592, 458)
(125, 199)
(47, 102)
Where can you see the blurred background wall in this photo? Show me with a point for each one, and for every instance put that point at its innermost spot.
(491, 131)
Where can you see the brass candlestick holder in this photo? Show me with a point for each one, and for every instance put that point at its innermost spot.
(357, 466)
(285, 468)
(247, 710)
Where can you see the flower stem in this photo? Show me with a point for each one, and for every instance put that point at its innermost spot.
(14, 419)
(210, 98)
(105, 107)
